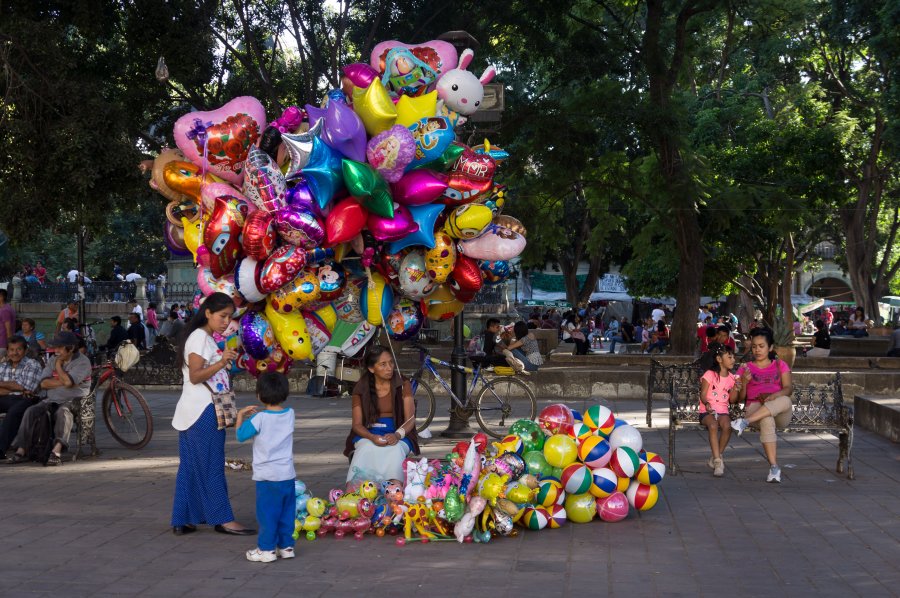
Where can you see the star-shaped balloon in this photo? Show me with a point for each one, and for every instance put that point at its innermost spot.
(374, 106)
(343, 130)
(300, 147)
(411, 110)
(366, 184)
(425, 216)
(323, 172)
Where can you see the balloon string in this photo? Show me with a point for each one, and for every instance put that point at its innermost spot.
(203, 168)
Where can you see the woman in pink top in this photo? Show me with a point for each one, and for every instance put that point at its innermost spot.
(718, 389)
(767, 390)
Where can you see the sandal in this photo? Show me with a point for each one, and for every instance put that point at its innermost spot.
(17, 458)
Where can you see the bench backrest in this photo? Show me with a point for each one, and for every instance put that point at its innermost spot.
(663, 378)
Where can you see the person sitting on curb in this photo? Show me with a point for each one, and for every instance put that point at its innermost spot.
(66, 377)
(19, 377)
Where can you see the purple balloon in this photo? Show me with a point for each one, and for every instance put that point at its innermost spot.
(392, 229)
(391, 151)
(175, 240)
(256, 335)
(300, 196)
(361, 75)
(299, 227)
(343, 130)
(419, 187)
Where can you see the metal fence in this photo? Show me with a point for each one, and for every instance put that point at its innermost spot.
(97, 291)
(492, 296)
(180, 292)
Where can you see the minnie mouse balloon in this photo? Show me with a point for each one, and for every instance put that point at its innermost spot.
(290, 330)
(345, 221)
(222, 235)
(256, 335)
(222, 138)
(391, 151)
(392, 229)
(404, 320)
(259, 236)
(246, 279)
(299, 293)
(495, 243)
(413, 276)
(441, 258)
(264, 183)
(299, 227)
(281, 267)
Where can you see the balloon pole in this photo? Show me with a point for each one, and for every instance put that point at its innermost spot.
(458, 426)
(79, 280)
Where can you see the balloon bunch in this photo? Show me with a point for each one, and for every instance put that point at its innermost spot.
(336, 219)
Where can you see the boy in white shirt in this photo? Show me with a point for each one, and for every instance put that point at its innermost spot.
(272, 431)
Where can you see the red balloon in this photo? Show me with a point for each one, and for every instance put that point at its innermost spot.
(345, 221)
(281, 267)
(259, 235)
(466, 278)
(556, 418)
(471, 178)
(222, 236)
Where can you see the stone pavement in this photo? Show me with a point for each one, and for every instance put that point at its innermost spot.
(100, 527)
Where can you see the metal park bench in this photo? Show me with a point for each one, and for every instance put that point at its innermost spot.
(663, 378)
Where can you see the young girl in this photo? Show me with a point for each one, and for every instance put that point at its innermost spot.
(767, 390)
(718, 388)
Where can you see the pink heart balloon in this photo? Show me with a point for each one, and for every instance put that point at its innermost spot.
(392, 229)
(419, 187)
(213, 191)
(227, 134)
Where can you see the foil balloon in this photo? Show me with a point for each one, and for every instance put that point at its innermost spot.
(174, 238)
(345, 221)
(193, 236)
(297, 294)
(441, 304)
(413, 109)
(446, 160)
(209, 284)
(390, 152)
(277, 361)
(440, 56)
(256, 335)
(319, 335)
(440, 259)
(496, 200)
(471, 178)
(419, 187)
(495, 272)
(213, 191)
(425, 217)
(222, 235)
(347, 305)
(392, 229)
(404, 320)
(376, 300)
(413, 276)
(465, 279)
(433, 136)
(176, 210)
(259, 237)
(343, 130)
(331, 281)
(360, 74)
(495, 243)
(369, 187)
(406, 74)
(246, 279)
(299, 227)
(328, 316)
(300, 196)
(389, 267)
(374, 106)
(222, 138)
(323, 172)
(467, 222)
(281, 267)
(264, 184)
(157, 181)
(184, 179)
(290, 330)
(299, 147)
(511, 223)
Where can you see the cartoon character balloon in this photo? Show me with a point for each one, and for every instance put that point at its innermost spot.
(404, 320)
(301, 292)
(413, 276)
(222, 235)
(441, 258)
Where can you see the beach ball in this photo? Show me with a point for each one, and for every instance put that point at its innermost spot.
(651, 469)
(556, 418)
(622, 484)
(594, 452)
(619, 423)
(579, 431)
(613, 508)
(604, 482)
(581, 508)
(576, 479)
(600, 419)
(624, 462)
(550, 492)
(626, 436)
(557, 516)
(560, 450)
(642, 496)
(536, 464)
(530, 433)
(535, 518)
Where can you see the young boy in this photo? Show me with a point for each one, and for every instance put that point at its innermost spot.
(273, 467)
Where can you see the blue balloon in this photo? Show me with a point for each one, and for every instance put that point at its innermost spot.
(433, 135)
(425, 216)
(323, 172)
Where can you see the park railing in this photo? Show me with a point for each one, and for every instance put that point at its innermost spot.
(96, 291)
(181, 293)
(492, 298)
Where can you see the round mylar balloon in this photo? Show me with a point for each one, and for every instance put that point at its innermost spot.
(391, 151)
(319, 335)
(331, 281)
(281, 267)
(256, 335)
(414, 280)
(441, 304)
(495, 272)
(259, 237)
(495, 243)
(440, 260)
(405, 320)
(347, 305)
(296, 295)
(246, 279)
(376, 300)
(433, 135)
(277, 361)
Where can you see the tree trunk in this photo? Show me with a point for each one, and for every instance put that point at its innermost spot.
(787, 278)
(690, 282)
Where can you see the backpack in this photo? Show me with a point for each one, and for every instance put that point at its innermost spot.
(41, 437)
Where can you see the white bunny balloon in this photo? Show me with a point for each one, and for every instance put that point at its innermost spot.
(460, 91)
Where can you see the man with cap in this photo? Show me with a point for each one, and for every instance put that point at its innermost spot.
(19, 377)
(66, 377)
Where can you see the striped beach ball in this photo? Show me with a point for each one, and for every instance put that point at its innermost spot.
(594, 452)
(600, 419)
(622, 484)
(605, 482)
(580, 432)
(576, 479)
(651, 469)
(642, 496)
(535, 518)
(613, 508)
(550, 493)
(557, 516)
(624, 462)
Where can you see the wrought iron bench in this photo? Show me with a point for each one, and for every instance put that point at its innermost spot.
(816, 408)
(663, 378)
(158, 366)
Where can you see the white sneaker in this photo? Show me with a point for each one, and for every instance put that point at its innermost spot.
(739, 425)
(719, 469)
(710, 463)
(774, 474)
(285, 553)
(261, 556)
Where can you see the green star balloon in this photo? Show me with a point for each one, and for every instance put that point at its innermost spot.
(367, 185)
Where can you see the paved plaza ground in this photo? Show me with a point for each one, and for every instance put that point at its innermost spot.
(100, 527)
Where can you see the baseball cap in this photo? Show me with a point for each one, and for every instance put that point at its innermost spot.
(64, 339)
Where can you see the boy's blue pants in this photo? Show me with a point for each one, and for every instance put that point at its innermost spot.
(276, 509)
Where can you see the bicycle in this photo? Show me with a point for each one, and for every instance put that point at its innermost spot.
(125, 411)
(501, 401)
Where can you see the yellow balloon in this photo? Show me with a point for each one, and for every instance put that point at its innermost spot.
(297, 294)
(328, 316)
(193, 235)
(316, 506)
(311, 523)
(467, 222)
(581, 508)
(374, 106)
(290, 330)
(442, 304)
(560, 450)
(411, 110)
(439, 260)
(375, 297)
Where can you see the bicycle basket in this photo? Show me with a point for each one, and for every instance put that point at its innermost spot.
(127, 356)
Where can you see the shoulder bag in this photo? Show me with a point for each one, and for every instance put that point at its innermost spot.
(226, 411)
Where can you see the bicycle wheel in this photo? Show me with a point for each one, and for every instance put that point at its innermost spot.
(423, 397)
(127, 416)
(501, 403)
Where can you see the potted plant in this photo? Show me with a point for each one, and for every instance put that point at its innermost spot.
(783, 333)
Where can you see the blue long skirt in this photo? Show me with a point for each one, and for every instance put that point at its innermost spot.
(201, 492)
